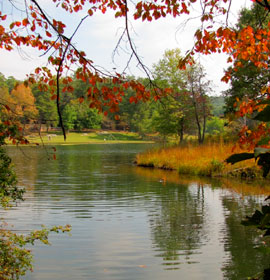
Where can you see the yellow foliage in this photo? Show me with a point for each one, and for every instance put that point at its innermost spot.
(22, 102)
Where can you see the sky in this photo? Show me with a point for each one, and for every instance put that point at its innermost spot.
(98, 37)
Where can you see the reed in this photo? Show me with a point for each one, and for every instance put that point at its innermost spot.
(203, 160)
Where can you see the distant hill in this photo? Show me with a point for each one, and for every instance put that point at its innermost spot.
(217, 105)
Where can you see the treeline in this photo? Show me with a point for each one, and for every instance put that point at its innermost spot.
(176, 114)
(29, 104)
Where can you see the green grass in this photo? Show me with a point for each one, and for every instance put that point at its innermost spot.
(97, 137)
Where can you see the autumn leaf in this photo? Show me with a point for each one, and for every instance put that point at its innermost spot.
(48, 34)
(25, 22)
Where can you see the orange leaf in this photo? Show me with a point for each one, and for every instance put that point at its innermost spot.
(48, 34)
(25, 22)
(2, 30)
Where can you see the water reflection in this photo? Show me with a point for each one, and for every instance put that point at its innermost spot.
(178, 225)
(133, 223)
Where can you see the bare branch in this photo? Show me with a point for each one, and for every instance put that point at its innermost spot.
(131, 44)
(228, 11)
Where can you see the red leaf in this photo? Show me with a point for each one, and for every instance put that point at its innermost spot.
(48, 34)
(81, 99)
(7, 107)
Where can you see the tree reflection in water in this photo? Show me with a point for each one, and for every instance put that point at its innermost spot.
(178, 227)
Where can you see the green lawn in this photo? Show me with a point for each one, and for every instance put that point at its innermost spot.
(87, 138)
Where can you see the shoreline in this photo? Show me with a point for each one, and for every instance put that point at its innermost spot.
(83, 138)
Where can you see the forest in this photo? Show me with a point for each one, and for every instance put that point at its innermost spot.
(172, 117)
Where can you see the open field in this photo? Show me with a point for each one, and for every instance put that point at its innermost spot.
(97, 137)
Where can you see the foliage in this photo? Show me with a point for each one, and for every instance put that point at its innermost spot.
(15, 258)
(198, 88)
(47, 112)
(22, 103)
(247, 81)
(253, 79)
(217, 105)
(173, 111)
(215, 125)
(187, 103)
(8, 188)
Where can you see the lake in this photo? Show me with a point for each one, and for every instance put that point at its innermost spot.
(132, 223)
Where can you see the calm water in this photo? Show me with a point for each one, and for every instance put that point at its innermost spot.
(128, 225)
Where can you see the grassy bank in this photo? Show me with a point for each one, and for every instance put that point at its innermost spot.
(96, 137)
(202, 160)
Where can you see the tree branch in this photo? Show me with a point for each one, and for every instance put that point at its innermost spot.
(131, 44)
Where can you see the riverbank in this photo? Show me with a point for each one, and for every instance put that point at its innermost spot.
(94, 137)
(199, 160)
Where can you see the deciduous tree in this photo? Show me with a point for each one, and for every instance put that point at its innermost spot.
(22, 104)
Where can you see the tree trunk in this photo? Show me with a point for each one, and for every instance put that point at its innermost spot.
(181, 131)
(200, 140)
(204, 122)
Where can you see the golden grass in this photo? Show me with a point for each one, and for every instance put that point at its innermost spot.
(207, 159)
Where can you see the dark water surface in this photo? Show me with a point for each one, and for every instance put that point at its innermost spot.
(126, 223)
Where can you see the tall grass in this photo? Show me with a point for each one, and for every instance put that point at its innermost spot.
(204, 160)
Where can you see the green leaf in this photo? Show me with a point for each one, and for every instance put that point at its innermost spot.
(264, 115)
(264, 141)
(239, 157)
